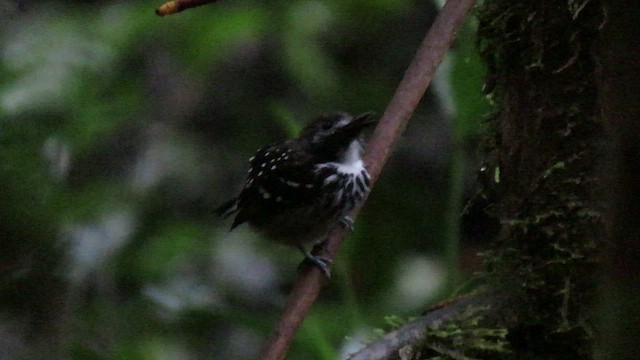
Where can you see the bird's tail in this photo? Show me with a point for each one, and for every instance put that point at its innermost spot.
(227, 208)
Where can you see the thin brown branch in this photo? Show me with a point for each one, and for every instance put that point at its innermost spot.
(175, 6)
(393, 122)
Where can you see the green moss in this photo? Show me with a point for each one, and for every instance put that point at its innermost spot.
(542, 152)
(546, 139)
(468, 335)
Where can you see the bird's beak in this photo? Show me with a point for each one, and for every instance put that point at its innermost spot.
(359, 123)
(344, 135)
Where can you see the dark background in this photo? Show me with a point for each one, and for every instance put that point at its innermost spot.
(121, 131)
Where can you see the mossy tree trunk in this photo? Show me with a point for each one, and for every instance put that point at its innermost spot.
(541, 181)
(619, 85)
(562, 156)
(543, 158)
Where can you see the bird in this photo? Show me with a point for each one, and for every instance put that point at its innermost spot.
(297, 191)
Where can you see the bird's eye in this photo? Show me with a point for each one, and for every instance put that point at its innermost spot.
(327, 126)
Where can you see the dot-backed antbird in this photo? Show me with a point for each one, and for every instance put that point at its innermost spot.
(297, 191)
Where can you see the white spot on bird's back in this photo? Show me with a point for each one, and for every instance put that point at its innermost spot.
(264, 192)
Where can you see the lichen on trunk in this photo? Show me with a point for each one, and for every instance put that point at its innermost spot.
(543, 152)
(542, 182)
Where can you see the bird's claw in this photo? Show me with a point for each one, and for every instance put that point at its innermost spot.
(347, 222)
(321, 262)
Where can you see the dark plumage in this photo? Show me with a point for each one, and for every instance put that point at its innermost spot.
(297, 191)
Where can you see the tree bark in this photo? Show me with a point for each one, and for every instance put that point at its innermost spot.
(542, 180)
(619, 82)
(544, 157)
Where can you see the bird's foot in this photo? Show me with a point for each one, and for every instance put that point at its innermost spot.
(321, 262)
(347, 222)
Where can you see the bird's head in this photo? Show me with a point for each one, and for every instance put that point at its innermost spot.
(330, 135)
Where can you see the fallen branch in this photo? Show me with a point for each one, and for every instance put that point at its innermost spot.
(390, 127)
(415, 333)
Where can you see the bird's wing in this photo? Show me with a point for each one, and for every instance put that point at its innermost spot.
(279, 178)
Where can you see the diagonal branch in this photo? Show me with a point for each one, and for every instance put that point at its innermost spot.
(389, 129)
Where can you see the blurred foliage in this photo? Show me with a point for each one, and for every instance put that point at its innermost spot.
(120, 131)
